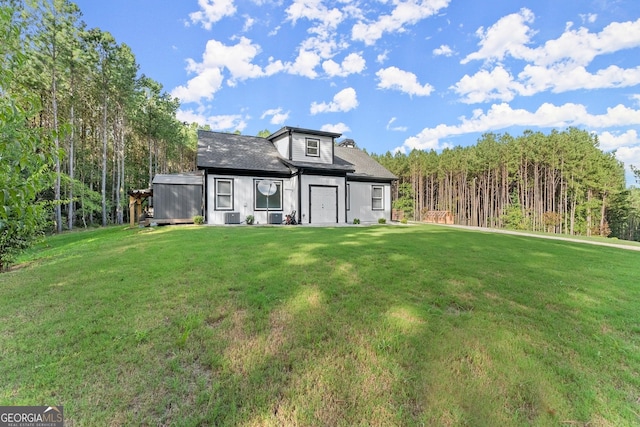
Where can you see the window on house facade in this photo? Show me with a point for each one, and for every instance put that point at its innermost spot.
(377, 197)
(275, 200)
(313, 147)
(224, 194)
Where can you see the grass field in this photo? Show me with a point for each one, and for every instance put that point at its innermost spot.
(385, 325)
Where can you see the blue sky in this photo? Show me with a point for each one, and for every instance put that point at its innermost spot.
(393, 74)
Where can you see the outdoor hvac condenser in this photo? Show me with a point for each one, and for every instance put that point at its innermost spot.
(232, 218)
(275, 218)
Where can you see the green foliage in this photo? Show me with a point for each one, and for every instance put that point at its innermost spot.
(249, 219)
(25, 153)
(405, 200)
(356, 221)
(198, 220)
(382, 221)
(514, 219)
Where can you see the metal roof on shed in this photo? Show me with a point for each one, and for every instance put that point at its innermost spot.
(178, 179)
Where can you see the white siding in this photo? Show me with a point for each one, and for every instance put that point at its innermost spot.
(360, 202)
(309, 180)
(243, 198)
(299, 149)
(282, 145)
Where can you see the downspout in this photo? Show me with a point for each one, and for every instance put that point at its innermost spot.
(290, 145)
(346, 198)
(299, 196)
(205, 196)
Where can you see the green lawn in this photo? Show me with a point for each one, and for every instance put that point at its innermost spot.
(384, 325)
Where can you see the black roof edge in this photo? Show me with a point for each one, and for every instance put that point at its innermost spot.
(245, 172)
(286, 129)
(371, 179)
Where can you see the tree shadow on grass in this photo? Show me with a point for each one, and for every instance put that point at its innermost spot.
(349, 326)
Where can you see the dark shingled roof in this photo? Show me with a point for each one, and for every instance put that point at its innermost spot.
(365, 166)
(252, 153)
(338, 165)
(230, 151)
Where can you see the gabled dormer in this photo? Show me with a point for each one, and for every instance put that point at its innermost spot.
(305, 145)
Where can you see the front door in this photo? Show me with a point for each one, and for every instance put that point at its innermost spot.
(323, 204)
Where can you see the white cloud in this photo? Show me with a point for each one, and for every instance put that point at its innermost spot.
(395, 128)
(588, 18)
(612, 141)
(563, 78)
(343, 101)
(314, 10)
(443, 50)
(485, 86)
(277, 116)
(509, 35)
(248, 23)
(630, 156)
(336, 128)
(557, 66)
(502, 116)
(274, 31)
(237, 59)
(305, 64)
(218, 123)
(403, 81)
(382, 57)
(354, 63)
(404, 13)
(212, 11)
(204, 85)
(581, 46)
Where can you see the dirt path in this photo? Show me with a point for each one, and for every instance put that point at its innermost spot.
(545, 236)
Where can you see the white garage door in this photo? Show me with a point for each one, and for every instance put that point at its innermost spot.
(323, 204)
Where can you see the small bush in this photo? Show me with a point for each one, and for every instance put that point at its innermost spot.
(382, 221)
(249, 219)
(356, 220)
(404, 220)
(198, 220)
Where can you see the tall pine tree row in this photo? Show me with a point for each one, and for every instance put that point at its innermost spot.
(559, 182)
(79, 125)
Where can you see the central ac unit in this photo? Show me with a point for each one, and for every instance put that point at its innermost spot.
(275, 218)
(232, 218)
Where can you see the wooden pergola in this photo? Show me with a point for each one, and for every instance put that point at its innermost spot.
(136, 197)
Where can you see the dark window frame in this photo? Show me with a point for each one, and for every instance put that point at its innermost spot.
(257, 194)
(217, 194)
(374, 198)
(310, 149)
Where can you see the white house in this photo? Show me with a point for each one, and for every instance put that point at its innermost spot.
(307, 172)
